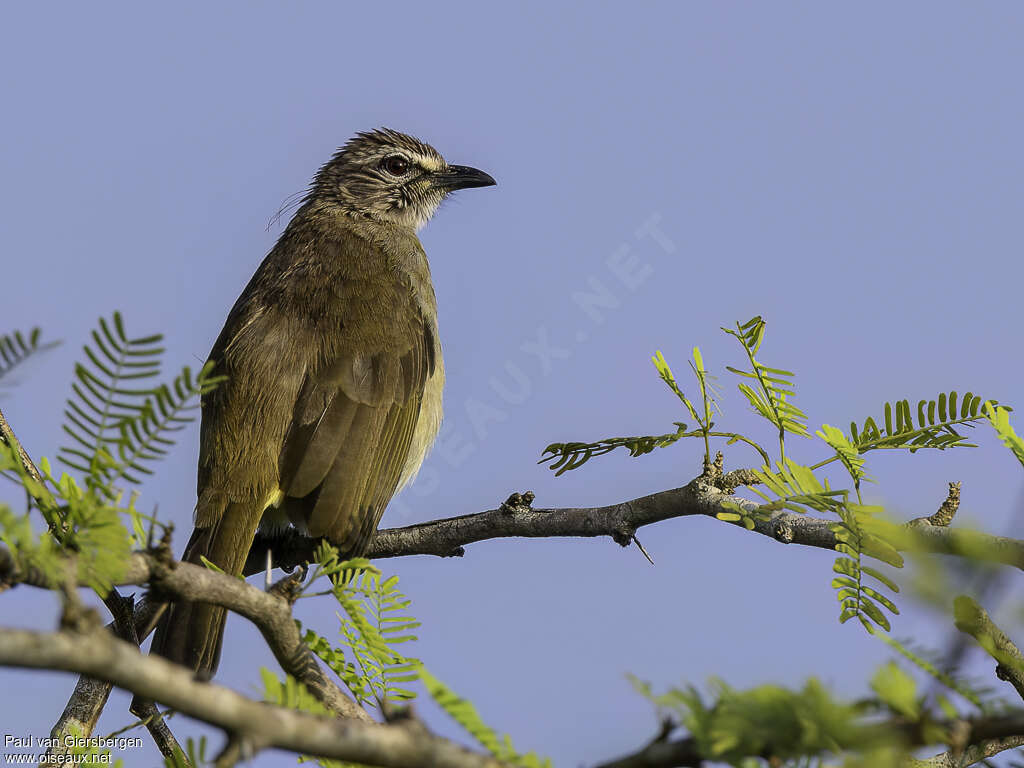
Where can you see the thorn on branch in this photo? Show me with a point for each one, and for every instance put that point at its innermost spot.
(642, 550)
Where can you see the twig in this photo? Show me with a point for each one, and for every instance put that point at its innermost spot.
(86, 703)
(7, 434)
(973, 620)
(971, 755)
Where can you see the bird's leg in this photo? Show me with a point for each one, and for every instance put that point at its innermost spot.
(270, 567)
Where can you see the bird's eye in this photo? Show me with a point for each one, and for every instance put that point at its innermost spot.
(396, 165)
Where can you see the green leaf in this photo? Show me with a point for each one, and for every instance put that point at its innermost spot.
(897, 690)
(845, 450)
(935, 427)
(775, 384)
(465, 714)
(16, 349)
(119, 431)
(999, 418)
(567, 456)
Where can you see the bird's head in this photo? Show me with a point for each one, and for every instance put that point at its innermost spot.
(392, 178)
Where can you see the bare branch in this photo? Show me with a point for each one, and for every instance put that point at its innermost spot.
(257, 725)
(449, 536)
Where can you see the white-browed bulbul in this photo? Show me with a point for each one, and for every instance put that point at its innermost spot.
(333, 370)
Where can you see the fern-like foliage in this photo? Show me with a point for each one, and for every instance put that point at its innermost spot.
(804, 727)
(934, 427)
(80, 520)
(768, 720)
(292, 694)
(863, 591)
(465, 714)
(807, 726)
(29, 550)
(999, 418)
(846, 452)
(374, 621)
(774, 386)
(567, 456)
(859, 587)
(793, 487)
(928, 661)
(16, 348)
(118, 427)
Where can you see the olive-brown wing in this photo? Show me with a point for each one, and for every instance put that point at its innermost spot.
(350, 435)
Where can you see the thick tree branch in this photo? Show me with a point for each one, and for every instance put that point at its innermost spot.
(258, 726)
(269, 611)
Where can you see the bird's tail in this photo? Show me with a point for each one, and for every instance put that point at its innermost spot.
(191, 633)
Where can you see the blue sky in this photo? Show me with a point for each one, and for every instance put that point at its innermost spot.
(852, 173)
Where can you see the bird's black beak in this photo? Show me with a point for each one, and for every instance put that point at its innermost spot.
(462, 177)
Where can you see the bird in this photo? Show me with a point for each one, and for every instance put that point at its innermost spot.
(333, 373)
